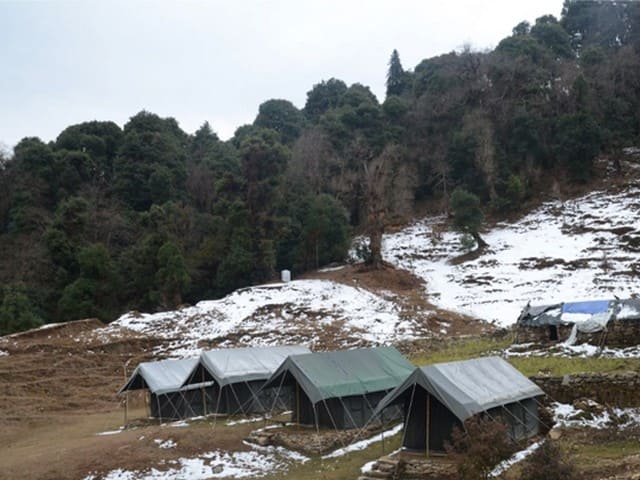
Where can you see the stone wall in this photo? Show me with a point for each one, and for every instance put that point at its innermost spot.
(621, 390)
(620, 333)
(541, 334)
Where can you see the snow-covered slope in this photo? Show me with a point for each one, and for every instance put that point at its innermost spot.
(587, 248)
(296, 312)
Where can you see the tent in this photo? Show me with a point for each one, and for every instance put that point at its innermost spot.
(439, 397)
(168, 398)
(340, 389)
(237, 376)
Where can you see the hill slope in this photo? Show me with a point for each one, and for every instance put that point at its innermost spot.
(585, 248)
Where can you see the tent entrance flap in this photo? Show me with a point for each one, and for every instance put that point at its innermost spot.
(432, 427)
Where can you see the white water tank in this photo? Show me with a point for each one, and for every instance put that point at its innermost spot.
(285, 275)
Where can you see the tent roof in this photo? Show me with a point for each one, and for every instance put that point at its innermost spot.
(468, 387)
(233, 365)
(345, 373)
(160, 377)
(580, 312)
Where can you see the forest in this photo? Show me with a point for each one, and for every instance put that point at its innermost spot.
(105, 220)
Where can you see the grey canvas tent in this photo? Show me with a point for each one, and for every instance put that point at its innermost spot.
(164, 380)
(340, 389)
(237, 376)
(439, 397)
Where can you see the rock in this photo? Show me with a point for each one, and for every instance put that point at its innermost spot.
(555, 434)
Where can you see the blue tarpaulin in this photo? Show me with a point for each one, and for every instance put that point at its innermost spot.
(592, 307)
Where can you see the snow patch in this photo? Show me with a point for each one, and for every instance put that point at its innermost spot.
(164, 444)
(515, 458)
(216, 464)
(567, 415)
(268, 312)
(362, 444)
(111, 432)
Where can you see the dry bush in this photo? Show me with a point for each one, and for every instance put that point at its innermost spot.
(477, 449)
(547, 463)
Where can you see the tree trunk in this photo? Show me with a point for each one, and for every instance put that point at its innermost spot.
(375, 246)
(481, 243)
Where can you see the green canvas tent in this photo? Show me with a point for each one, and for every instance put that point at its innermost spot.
(340, 389)
(439, 397)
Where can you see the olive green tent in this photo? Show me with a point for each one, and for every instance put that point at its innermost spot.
(340, 389)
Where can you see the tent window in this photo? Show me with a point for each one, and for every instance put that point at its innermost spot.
(553, 332)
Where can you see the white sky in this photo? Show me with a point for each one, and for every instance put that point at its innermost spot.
(65, 62)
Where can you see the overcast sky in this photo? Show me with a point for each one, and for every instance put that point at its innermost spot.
(66, 62)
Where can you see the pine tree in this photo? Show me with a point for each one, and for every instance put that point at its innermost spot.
(396, 77)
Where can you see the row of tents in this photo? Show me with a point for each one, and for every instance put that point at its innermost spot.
(343, 390)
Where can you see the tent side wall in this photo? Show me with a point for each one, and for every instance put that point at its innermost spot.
(302, 407)
(340, 413)
(249, 397)
(183, 404)
(521, 418)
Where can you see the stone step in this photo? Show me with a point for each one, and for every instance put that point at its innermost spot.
(376, 474)
(388, 460)
(385, 467)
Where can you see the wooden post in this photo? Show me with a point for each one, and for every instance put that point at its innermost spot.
(428, 422)
(126, 396)
(297, 403)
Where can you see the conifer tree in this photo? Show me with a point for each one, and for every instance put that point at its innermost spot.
(395, 75)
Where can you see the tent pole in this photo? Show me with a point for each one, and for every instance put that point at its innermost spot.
(428, 422)
(159, 411)
(298, 403)
(406, 420)
(126, 404)
(382, 422)
(215, 417)
(204, 395)
(126, 395)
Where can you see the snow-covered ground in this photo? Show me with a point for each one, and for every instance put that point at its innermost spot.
(567, 415)
(216, 464)
(564, 350)
(576, 250)
(293, 312)
(362, 444)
